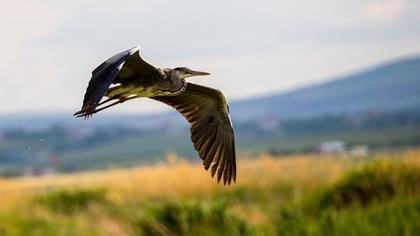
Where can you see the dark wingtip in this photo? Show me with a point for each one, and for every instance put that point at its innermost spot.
(219, 177)
(227, 179)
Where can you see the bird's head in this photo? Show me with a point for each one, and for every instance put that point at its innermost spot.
(184, 72)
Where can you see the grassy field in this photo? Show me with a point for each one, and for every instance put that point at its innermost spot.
(275, 195)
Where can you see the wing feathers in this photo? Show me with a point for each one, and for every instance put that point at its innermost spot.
(211, 130)
(119, 67)
(102, 77)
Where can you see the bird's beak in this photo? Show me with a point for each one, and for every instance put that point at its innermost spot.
(198, 73)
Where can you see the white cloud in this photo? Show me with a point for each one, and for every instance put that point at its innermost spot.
(49, 47)
(23, 67)
(384, 11)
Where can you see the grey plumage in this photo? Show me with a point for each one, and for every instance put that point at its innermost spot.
(126, 76)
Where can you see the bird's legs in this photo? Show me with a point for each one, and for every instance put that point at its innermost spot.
(120, 100)
(119, 93)
(107, 100)
(115, 92)
(79, 113)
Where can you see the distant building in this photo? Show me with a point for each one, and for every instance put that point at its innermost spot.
(38, 171)
(359, 150)
(332, 147)
(53, 159)
(78, 133)
(269, 124)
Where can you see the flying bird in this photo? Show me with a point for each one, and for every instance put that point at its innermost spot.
(127, 76)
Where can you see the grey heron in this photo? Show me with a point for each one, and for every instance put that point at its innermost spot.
(127, 76)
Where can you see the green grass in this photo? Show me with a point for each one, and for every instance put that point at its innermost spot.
(398, 216)
(378, 181)
(19, 223)
(382, 198)
(378, 198)
(71, 201)
(190, 218)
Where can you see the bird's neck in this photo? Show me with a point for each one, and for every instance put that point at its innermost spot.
(173, 77)
(172, 74)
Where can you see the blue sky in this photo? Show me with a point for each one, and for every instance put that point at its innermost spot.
(251, 48)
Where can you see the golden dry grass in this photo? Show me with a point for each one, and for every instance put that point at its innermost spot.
(261, 182)
(180, 179)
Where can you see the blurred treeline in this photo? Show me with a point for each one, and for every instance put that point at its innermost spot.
(67, 148)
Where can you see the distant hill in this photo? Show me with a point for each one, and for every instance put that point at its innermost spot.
(389, 87)
(392, 86)
(30, 121)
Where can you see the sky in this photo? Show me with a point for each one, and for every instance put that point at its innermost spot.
(251, 48)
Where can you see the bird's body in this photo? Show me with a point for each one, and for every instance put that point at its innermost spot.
(126, 76)
(164, 85)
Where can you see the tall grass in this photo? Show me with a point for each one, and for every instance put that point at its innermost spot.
(274, 195)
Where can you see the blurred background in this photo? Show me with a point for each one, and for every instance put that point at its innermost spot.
(324, 97)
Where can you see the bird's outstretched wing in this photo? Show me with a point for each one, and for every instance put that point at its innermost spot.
(120, 66)
(211, 128)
